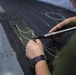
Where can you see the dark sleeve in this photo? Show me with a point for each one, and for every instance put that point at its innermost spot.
(67, 59)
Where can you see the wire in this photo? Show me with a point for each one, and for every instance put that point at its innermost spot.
(24, 36)
(20, 32)
(51, 49)
(50, 52)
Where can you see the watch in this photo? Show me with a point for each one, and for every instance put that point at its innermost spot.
(37, 59)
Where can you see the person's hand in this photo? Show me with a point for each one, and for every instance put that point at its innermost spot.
(34, 48)
(64, 24)
(67, 23)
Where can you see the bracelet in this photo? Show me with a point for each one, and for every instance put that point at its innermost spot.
(35, 60)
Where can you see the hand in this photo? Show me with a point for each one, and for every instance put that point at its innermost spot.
(64, 24)
(34, 48)
(70, 22)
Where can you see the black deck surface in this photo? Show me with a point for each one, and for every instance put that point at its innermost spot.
(40, 17)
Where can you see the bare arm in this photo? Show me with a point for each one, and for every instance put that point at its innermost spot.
(34, 49)
(42, 68)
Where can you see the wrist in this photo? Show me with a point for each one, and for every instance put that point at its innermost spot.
(36, 60)
(36, 55)
(40, 63)
(41, 68)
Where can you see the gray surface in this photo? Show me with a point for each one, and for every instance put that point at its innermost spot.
(37, 16)
(8, 62)
(62, 3)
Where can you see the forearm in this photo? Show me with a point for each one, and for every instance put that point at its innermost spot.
(41, 68)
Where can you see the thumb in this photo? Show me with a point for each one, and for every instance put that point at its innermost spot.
(38, 41)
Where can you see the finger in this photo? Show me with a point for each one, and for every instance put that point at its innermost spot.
(59, 26)
(31, 41)
(38, 41)
(27, 55)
